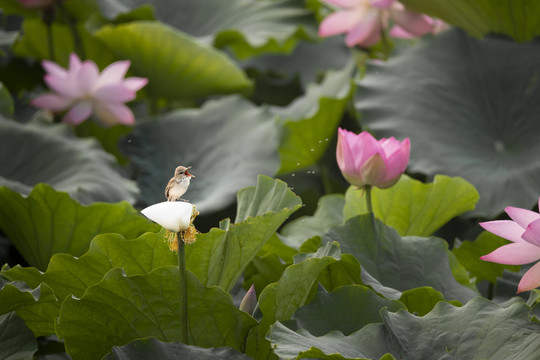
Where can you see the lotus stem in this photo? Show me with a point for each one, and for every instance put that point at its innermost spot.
(77, 43)
(373, 222)
(48, 15)
(183, 289)
(385, 41)
(50, 42)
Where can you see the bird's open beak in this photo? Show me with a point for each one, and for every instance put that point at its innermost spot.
(187, 172)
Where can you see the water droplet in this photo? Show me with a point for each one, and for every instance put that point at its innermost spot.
(293, 174)
(326, 139)
(297, 164)
(499, 146)
(312, 149)
(129, 141)
(320, 141)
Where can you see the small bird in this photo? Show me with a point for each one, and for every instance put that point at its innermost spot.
(178, 185)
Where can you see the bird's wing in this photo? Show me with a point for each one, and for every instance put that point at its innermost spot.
(168, 188)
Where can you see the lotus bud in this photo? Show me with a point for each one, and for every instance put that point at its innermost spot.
(363, 160)
(249, 302)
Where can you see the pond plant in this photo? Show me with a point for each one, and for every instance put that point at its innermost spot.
(366, 187)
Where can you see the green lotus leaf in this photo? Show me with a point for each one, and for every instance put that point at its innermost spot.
(220, 256)
(281, 78)
(248, 28)
(310, 121)
(289, 344)
(67, 275)
(396, 262)
(280, 300)
(270, 195)
(422, 300)
(6, 102)
(315, 353)
(308, 61)
(120, 309)
(78, 167)
(263, 271)
(480, 17)
(108, 137)
(276, 246)
(346, 271)
(347, 309)
(70, 275)
(151, 348)
(414, 208)
(328, 214)
(176, 65)
(17, 294)
(14, 7)
(469, 108)
(268, 265)
(480, 329)
(49, 222)
(16, 341)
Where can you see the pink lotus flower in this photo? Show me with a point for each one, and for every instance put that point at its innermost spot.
(364, 21)
(36, 4)
(365, 161)
(437, 26)
(83, 90)
(524, 232)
